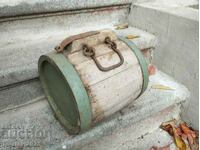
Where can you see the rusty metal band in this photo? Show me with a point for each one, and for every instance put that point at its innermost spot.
(141, 59)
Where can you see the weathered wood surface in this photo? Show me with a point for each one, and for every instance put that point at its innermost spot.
(109, 91)
(88, 70)
(112, 94)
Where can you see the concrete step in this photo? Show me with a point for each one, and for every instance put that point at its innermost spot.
(18, 67)
(39, 128)
(177, 29)
(23, 7)
(141, 135)
(18, 61)
(24, 40)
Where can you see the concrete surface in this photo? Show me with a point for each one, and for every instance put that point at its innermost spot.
(141, 135)
(171, 3)
(16, 75)
(177, 53)
(23, 7)
(20, 94)
(29, 123)
(34, 126)
(13, 69)
(23, 41)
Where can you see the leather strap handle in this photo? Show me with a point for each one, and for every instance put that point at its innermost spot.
(70, 39)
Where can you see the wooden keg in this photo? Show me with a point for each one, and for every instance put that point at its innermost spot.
(90, 76)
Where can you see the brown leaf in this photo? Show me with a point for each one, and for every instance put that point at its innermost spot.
(179, 131)
(192, 142)
(187, 130)
(172, 130)
(151, 69)
(187, 144)
(184, 136)
(190, 139)
(194, 146)
(168, 128)
(178, 140)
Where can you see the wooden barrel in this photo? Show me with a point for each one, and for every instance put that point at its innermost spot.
(91, 76)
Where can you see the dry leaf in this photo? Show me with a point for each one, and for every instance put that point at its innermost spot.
(185, 138)
(178, 141)
(161, 87)
(121, 26)
(132, 36)
(168, 128)
(187, 144)
(194, 146)
(190, 139)
(179, 131)
(171, 129)
(151, 69)
(187, 130)
(168, 125)
(190, 135)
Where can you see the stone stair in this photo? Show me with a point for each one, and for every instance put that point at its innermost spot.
(44, 130)
(20, 84)
(35, 30)
(34, 36)
(176, 25)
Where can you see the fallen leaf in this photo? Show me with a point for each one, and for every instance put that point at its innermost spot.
(121, 26)
(151, 69)
(185, 137)
(187, 130)
(171, 129)
(187, 144)
(161, 87)
(178, 141)
(179, 131)
(190, 135)
(194, 146)
(132, 36)
(168, 128)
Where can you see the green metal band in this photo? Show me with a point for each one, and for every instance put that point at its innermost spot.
(142, 62)
(76, 87)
